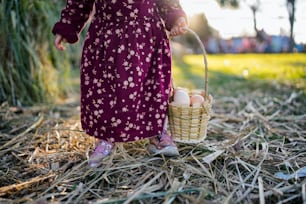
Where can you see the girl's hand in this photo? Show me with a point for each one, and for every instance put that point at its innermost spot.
(58, 42)
(179, 27)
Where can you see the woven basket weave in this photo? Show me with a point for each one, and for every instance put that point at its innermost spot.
(189, 124)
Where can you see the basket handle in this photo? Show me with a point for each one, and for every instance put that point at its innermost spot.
(205, 59)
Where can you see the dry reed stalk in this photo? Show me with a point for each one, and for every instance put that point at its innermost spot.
(304, 192)
(261, 191)
(142, 189)
(11, 189)
(249, 140)
(19, 136)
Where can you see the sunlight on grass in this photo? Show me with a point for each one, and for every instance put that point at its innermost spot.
(242, 71)
(189, 76)
(279, 66)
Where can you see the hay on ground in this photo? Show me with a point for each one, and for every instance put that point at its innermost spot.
(43, 154)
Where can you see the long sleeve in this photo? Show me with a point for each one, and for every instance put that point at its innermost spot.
(170, 11)
(73, 19)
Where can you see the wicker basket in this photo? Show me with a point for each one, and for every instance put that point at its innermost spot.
(189, 124)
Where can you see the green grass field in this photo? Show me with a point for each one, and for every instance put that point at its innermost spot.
(233, 74)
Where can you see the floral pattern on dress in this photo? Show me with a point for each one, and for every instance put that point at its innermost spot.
(125, 66)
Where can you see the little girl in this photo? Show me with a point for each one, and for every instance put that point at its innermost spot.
(125, 69)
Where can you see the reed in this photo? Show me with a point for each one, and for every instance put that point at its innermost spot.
(31, 70)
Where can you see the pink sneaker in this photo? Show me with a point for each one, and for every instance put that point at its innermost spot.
(164, 145)
(102, 150)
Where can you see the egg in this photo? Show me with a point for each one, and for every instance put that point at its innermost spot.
(181, 97)
(196, 100)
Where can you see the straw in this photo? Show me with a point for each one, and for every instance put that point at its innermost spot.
(238, 161)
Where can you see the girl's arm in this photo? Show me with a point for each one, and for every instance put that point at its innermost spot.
(73, 19)
(173, 15)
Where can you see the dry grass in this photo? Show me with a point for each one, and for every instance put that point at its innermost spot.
(43, 158)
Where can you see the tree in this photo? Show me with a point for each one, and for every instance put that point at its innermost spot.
(291, 7)
(229, 3)
(254, 5)
(200, 25)
(291, 10)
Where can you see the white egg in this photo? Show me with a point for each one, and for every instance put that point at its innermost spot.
(196, 100)
(181, 97)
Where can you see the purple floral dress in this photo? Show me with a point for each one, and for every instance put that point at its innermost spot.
(126, 64)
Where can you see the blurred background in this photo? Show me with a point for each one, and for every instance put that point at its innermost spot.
(240, 26)
(246, 41)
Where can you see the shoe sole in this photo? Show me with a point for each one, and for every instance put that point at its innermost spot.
(96, 161)
(170, 151)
